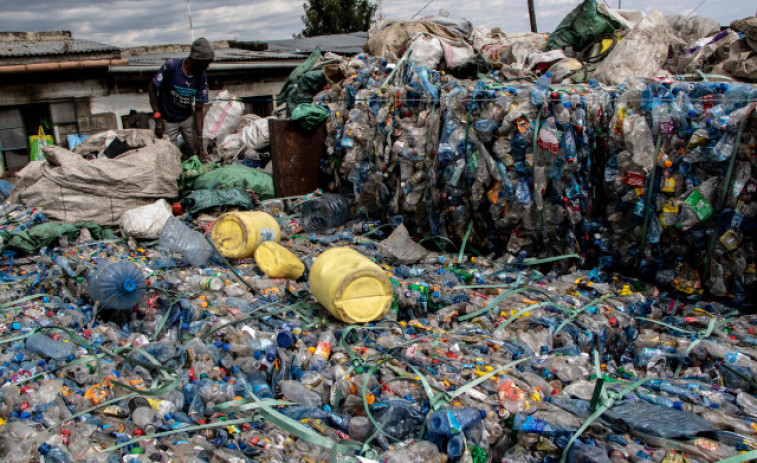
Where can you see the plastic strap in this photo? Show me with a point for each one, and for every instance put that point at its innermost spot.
(240, 320)
(217, 424)
(726, 188)
(608, 399)
(294, 427)
(399, 63)
(494, 302)
(648, 199)
(746, 456)
(244, 405)
(547, 260)
(465, 241)
(445, 397)
(573, 313)
(21, 300)
(528, 309)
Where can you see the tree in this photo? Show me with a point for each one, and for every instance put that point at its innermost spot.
(323, 17)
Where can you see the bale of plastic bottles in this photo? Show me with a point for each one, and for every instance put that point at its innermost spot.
(652, 178)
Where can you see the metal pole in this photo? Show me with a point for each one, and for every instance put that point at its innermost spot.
(532, 15)
(191, 29)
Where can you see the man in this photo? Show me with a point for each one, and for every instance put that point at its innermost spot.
(178, 84)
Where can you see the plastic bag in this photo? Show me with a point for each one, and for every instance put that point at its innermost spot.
(223, 116)
(39, 141)
(309, 116)
(641, 53)
(146, 222)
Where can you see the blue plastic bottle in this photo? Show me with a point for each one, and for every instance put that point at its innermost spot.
(53, 454)
(449, 422)
(117, 285)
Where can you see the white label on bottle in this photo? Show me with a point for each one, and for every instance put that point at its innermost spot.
(267, 234)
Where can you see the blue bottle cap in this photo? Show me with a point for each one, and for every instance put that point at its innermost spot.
(24, 415)
(226, 347)
(44, 448)
(16, 325)
(235, 369)
(185, 326)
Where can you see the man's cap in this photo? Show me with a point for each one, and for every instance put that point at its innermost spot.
(201, 50)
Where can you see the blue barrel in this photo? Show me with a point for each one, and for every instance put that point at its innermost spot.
(117, 285)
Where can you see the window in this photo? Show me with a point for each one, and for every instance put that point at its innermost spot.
(262, 105)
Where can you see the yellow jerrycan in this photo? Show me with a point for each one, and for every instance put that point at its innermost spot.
(350, 286)
(238, 234)
(276, 261)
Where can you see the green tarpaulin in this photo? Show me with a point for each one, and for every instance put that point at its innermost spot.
(32, 240)
(236, 176)
(581, 25)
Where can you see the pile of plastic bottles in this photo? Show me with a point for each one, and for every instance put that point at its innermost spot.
(542, 169)
(123, 351)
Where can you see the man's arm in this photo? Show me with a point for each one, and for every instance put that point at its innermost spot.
(198, 117)
(153, 92)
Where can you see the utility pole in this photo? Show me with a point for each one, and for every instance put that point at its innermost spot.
(532, 15)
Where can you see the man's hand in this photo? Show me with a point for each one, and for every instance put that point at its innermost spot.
(159, 128)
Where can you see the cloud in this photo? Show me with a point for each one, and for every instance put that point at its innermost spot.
(149, 22)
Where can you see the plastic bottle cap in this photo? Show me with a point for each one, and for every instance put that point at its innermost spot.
(129, 285)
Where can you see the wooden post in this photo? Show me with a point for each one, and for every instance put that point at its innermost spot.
(532, 15)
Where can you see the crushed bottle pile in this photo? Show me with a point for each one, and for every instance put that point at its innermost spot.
(654, 178)
(476, 360)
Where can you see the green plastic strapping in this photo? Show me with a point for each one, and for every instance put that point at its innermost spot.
(465, 241)
(648, 198)
(573, 313)
(608, 399)
(747, 456)
(723, 194)
(200, 427)
(21, 300)
(499, 299)
(528, 308)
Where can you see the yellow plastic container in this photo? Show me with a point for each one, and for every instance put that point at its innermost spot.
(350, 286)
(276, 261)
(238, 234)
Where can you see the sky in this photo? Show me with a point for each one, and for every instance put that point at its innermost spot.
(127, 23)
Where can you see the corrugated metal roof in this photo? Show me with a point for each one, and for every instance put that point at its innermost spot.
(53, 47)
(223, 55)
(338, 43)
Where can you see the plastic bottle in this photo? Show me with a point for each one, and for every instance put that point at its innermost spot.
(452, 421)
(142, 414)
(178, 237)
(548, 139)
(297, 392)
(324, 213)
(540, 88)
(117, 285)
(64, 264)
(521, 422)
(204, 283)
(42, 344)
(53, 454)
(320, 359)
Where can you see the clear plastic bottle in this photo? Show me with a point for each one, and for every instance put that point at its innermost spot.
(178, 237)
(204, 283)
(320, 359)
(323, 213)
(299, 393)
